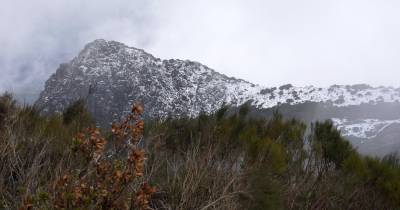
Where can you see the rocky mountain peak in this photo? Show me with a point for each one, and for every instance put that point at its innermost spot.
(111, 76)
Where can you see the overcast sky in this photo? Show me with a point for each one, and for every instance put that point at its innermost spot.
(268, 42)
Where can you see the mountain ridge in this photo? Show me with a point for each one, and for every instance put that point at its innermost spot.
(237, 91)
(111, 76)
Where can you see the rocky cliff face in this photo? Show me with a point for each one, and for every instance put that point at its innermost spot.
(111, 76)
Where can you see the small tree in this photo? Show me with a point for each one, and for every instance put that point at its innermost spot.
(335, 149)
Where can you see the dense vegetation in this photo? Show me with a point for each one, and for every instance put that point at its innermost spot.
(226, 160)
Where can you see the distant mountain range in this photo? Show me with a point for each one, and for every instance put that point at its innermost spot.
(111, 76)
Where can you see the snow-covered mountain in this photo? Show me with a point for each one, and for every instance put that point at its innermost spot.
(111, 76)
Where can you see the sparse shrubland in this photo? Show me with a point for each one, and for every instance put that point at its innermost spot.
(226, 160)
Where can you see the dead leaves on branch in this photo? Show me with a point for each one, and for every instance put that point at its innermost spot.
(107, 183)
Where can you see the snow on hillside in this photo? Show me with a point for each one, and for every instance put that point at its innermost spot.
(335, 95)
(364, 129)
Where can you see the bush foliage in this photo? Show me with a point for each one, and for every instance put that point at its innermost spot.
(225, 160)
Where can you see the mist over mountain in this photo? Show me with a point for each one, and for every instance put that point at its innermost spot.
(111, 76)
(149, 104)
